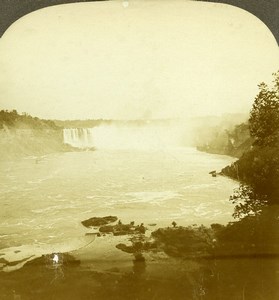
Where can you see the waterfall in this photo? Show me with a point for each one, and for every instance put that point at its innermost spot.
(79, 137)
(147, 137)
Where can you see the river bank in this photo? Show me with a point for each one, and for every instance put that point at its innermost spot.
(174, 269)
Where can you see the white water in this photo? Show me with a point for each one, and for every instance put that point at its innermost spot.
(148, 137)
(79, 137)
(42, 204)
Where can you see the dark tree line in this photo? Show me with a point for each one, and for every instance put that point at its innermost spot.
(12, 119)
(258, 168)
(264, 116)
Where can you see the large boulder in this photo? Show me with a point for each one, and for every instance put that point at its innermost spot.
(99, 221)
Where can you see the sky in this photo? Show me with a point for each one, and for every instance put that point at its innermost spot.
(135, 60)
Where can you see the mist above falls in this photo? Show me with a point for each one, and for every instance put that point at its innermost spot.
(147, 137)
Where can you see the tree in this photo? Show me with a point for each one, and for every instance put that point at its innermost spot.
(247, 201)
(264, 116)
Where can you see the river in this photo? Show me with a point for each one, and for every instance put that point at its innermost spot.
(44, 200)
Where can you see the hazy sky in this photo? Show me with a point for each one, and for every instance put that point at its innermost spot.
(136, 59)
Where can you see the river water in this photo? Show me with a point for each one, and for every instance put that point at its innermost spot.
(43, 201)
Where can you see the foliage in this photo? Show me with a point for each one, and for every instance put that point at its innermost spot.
(184, 241)
(264, 116)
(12, 119)
(258, 173)
(247, 202)
(253, 234)
(258, 168)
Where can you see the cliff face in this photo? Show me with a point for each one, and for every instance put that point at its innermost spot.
(17, 143)
(234, 141)
(23, 135)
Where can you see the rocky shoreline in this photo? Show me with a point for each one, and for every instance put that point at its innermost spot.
(160, 263)
(193, 241)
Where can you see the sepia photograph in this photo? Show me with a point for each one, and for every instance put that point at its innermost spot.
(139, 150)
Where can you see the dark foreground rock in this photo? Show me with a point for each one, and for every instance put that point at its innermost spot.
(252, 236)
(99, 221)
(182, 274)
(116, 229)
(123, 229)
(137, 246)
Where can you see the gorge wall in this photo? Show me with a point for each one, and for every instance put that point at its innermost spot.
(17, 143)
